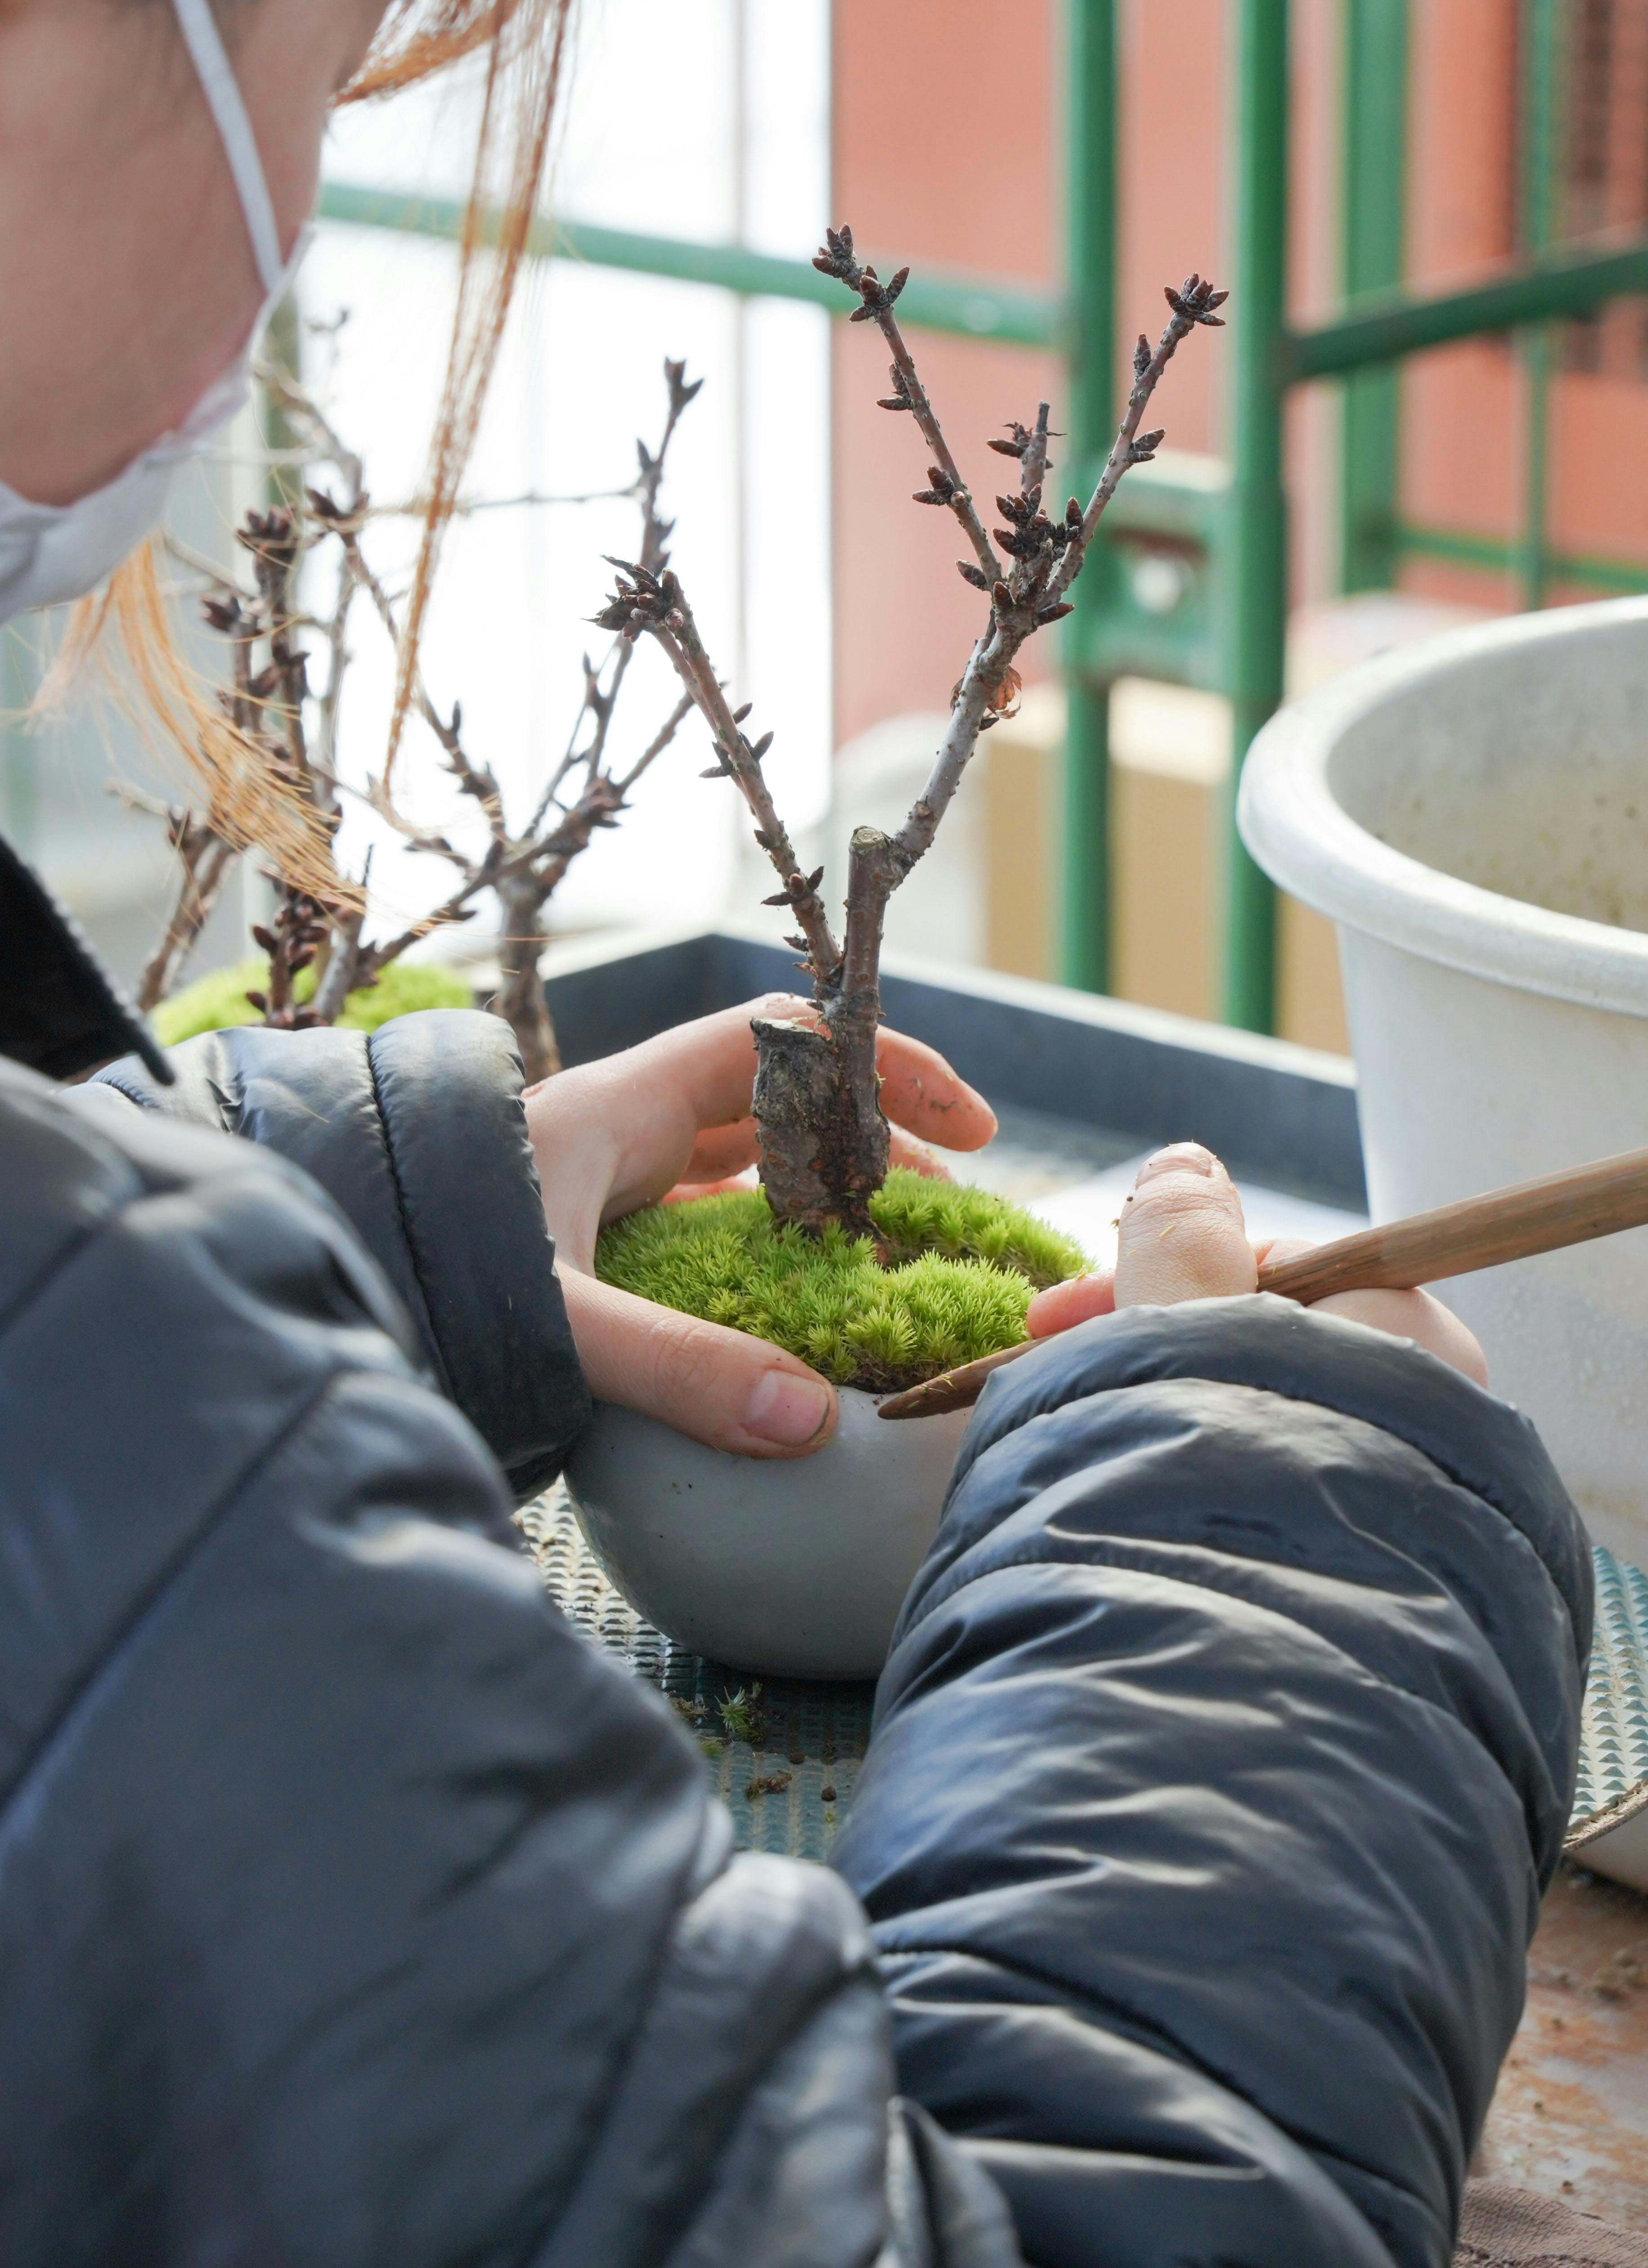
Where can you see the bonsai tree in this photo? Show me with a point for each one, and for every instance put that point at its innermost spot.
(824, 1139)
(318, 958)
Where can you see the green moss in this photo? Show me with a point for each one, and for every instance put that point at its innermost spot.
(963, 1265)
(741, 1718)
(213, 1003)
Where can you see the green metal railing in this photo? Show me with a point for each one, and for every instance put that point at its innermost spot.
(1224, 525)
(18, 785)
(974, 307)
(1373, 106)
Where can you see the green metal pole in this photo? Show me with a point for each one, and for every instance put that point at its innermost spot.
(1542, 87)
(1532, 546)
(1623, 576)
(972, 306)
(1567, 280)
(1257, 563)
(1084, 893)
(283, 345)
(1374, 108)
(17, 753)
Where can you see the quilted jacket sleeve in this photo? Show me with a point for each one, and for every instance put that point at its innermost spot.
(1226, 1744)
(353, 1908)
(416, 1133)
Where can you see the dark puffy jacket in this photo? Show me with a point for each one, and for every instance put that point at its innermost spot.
(354, 1910)
(1225, 1746)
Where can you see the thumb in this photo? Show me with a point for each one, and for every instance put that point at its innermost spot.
(724, 1387)
(1181, 1235)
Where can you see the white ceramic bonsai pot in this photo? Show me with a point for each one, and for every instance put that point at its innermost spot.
(789, 1567)
(1473, 814)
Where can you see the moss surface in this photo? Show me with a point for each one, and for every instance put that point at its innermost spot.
(964, 1265)
(215, 1002)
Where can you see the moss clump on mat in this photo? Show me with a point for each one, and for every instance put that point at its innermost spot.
(964, 1265)
(213, 1003)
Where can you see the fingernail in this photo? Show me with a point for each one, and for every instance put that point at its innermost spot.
(1177, 1158)
(786, 1408)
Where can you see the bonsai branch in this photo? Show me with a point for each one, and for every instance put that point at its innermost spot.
(583, 792)
(291, 942)
(656, 605)
(205, 862)
(1194, 302)
(946, 484)
(602, 686)
(1047, 557)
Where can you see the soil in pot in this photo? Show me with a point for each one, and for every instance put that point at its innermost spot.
(798, 1568)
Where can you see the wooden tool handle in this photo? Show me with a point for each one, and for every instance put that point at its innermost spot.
(1513, 1224)
(1543, 1216)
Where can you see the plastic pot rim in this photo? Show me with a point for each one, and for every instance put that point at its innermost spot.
(1303, 838)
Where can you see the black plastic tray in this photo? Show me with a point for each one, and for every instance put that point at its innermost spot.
(1276, 1114)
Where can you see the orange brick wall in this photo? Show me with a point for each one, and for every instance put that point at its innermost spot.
(947, 134)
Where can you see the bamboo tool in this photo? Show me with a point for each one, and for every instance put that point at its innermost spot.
(1513, 1224)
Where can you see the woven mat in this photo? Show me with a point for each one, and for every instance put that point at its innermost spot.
(1613, 1783)
(784, 1756)
(1506, 2227)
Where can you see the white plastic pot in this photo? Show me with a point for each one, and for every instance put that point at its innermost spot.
(1473, 814)
(793, 1567)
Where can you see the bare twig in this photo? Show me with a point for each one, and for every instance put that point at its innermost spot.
(660, 741)
(293, 940)
(297, 400)
(946, 484)
(475, 780)
(468, 507)
(657, 605)
(602, 686)
(1047, 558)
(372, 961)
(1194, 302)
(206, 861)
(1030, 446)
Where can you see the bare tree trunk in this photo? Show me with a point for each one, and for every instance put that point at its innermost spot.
(341, 971)
(206, 862)
(823, 1155)
(520, 999)
(825, 1142)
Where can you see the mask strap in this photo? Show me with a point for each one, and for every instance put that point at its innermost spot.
(216, 73)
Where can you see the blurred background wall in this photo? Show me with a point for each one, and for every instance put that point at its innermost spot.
(948, 119)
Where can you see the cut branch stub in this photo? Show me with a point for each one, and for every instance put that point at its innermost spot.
(823, 1155)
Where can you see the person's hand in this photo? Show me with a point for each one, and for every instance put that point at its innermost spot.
(1181, 1236)
(672, 1118)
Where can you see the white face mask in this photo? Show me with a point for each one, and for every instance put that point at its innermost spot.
(53, 552)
